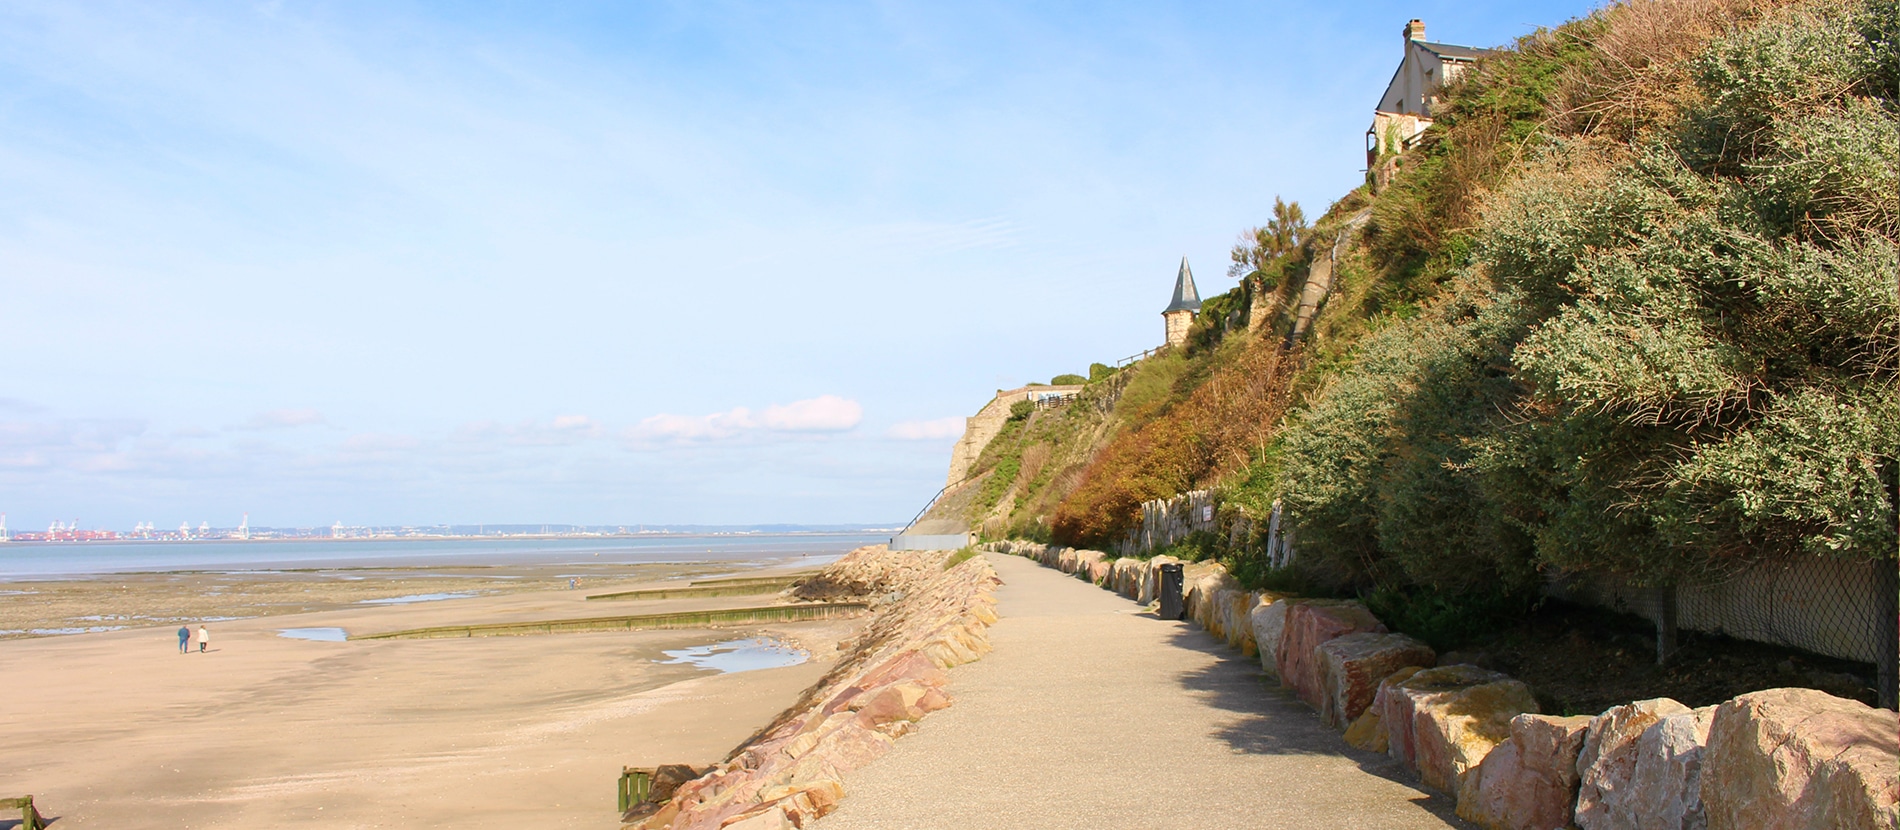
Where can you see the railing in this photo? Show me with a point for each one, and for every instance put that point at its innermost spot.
(1145, 354)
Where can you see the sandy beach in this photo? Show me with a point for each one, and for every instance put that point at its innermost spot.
(118, 729)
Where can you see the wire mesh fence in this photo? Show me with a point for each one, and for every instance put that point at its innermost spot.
(1819, 604)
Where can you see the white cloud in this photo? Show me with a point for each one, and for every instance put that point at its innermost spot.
(935, 429)
(281, 419)
(825, 413)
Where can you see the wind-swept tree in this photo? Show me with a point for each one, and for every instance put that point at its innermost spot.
(1280, 236)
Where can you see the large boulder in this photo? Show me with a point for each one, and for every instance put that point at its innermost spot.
(1308, 626)
(1529, 782)
(1151, 579)
(1352, 666)
(1607, 764)
(1202, 581)
(1269, 621)
(1782, 759)
(1441, 722)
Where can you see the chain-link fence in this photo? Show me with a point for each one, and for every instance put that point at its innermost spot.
(1814, 603)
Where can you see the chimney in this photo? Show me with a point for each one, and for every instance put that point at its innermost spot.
(1414, 30)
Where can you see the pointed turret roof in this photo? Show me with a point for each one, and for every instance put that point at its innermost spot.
(1185, 297)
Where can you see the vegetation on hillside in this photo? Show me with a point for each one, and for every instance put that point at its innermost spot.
(1629, 307)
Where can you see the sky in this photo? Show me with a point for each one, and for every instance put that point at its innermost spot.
(695, 262)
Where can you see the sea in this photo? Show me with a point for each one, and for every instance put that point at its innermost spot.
(33, 560)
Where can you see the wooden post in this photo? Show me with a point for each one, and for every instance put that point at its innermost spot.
(1887, 606)
(1665, 624)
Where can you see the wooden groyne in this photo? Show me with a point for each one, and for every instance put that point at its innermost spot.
(747, 586)
(677, 619)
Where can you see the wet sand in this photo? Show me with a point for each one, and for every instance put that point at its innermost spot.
(117, 729)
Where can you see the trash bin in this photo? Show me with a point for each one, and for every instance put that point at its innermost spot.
(1170, 591)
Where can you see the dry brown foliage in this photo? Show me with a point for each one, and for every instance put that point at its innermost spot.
(1639, 72)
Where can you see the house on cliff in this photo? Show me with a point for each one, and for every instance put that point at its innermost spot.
(1179, 315)
(1405, 109)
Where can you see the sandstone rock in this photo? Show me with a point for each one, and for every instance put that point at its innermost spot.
(767, 817)
(1528, 782)
(1308, 626)
(1441, 722)
(1202, 580)
(1351, 667)
(1367, 732)
(1665, 789)
(903, 700)
(1798, 758)
(1268, 622)
(1607, 761)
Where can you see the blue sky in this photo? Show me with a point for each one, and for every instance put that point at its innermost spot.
(703, 262)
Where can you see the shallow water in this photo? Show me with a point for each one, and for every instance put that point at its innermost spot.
(31, 560)
(418, 598)
(739, 655)
(325, 634)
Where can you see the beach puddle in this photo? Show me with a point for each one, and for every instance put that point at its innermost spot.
(739, 655)
(89, 629)
(437, 597)
(325, 634)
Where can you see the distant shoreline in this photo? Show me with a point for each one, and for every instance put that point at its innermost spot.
(421, 537)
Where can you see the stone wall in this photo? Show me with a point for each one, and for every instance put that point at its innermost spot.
(1779, 758)
(1166, 522)
(927, 619)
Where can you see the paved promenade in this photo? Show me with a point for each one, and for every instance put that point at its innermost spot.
(1093, 714)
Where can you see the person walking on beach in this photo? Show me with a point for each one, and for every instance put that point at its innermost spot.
(204, 639)
(184, 639)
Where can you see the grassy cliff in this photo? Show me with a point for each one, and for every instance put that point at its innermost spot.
(1629, 308)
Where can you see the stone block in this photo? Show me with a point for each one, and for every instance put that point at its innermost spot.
(1367, 732)
(1352, 666)
(1268, 621)
(1528, 782)
(1442, 722)
(1308, 626)
(1783, 759)
(1607, 762)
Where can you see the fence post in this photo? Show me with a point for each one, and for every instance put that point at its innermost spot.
(1887, 605)
(1665, 623)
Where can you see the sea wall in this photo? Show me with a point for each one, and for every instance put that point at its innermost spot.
(927, 618)
(1778, 758)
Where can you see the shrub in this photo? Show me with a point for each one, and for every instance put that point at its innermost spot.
(1068, 380)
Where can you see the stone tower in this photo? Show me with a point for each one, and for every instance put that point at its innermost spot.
(1187, 303)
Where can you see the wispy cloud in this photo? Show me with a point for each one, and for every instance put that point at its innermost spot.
(281, 419)
(562, 430)
(823, 414)
(936, 429)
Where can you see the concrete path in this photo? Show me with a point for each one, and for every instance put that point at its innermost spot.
(1093, 714)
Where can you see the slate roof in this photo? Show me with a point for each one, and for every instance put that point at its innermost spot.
(1453, 51)
(1185, 297)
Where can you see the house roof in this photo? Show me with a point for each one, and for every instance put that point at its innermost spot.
(1185, 297)
(1453, 51)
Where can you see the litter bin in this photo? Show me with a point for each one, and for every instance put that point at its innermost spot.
(1170, 590)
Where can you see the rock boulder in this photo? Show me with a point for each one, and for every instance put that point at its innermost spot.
(1352, 666)
(1607, 763)
(1308, 626)
(1529, 782)
(1442, 722)
(1782, 759)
